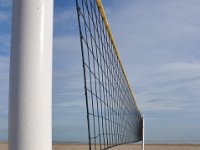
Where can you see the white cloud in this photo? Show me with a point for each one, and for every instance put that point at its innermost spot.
(159, 46)
(170, 86)
(75, 104)
(65, 21)
(3, 16)
(64, 16)
(151, 30)
(66, 43)
(4, 44)
(5, 3)
(4, 77)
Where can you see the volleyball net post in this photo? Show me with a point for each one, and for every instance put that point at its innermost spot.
(30, 89)
(143, 132)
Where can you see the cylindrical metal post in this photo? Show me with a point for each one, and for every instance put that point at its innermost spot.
(30, 97)
(142, 132)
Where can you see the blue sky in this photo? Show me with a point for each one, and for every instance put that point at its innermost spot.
(159, 45)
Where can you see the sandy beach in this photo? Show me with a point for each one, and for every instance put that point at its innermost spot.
(4, 146)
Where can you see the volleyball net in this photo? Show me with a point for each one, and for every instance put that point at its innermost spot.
(112, 113)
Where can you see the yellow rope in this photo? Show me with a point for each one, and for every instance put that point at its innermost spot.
(103, 14)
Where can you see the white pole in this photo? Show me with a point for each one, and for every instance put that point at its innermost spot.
(143, 132)
(30, 97)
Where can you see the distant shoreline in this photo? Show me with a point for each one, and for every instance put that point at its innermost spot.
(80, 143)
(68, 146)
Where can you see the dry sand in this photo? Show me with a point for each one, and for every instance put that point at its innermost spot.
(3, 146)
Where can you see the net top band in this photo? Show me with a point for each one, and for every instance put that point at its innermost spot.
(103, 14)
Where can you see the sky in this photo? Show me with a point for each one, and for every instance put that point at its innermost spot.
(159, 44)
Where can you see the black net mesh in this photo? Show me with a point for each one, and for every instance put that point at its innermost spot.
(112, 115)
